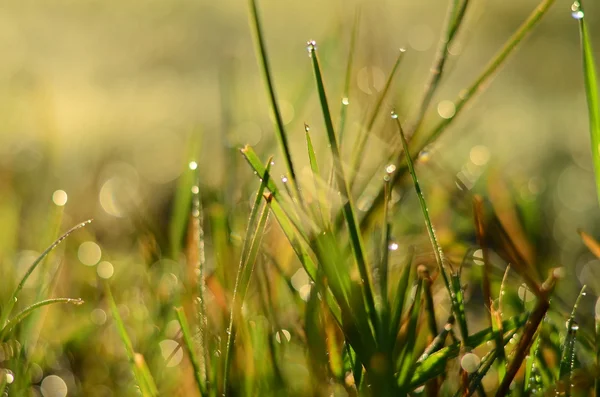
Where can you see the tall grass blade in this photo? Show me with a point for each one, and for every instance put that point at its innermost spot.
(201, 309)
(348, 79)
(406, 362)
(320, 196)
(361, 140)
(402, 290)
(454, 19)
(254, 233)
(567, 358)
(437, 250)
(11, 302)
(591, 86)
(261, 50)
(181, 203)
(189, 344)
(138, 366)
(348, 207)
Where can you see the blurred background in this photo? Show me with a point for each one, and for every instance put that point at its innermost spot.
(103, 107)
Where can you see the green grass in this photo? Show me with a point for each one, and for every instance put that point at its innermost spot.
(321, 296)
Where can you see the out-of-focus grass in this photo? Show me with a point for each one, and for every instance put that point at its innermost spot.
(136, 128)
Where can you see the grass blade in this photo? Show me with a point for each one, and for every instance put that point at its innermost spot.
(261, 49)
(567, 358)
(591, 86)
(320, 196)
(437, 250)
(201, 309)
(361, 140)
(454, 19)
(348, 79)
(401, 291)
(406, 362)
(30, 309)
(11, 302)
(348, 207)
(138, 366)
(252, 241)
(189, 343)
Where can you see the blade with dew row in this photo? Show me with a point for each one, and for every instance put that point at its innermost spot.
(342, 184)
(11, 302)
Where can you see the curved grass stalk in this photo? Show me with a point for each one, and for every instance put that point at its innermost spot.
(34, 265)
(30, 309)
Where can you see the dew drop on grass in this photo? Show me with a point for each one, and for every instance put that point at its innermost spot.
(311, 46)
(193, 165)
(345, 101)
(576, 10)
(393, 246)
(394, 114)
(10, 378)
(424, 155)
(390, 169)
(284, 179)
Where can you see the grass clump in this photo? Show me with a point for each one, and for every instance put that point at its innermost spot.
(322, 296)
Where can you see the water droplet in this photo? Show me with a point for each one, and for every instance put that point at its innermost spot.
(311, 46)
(390, 169)
(345, 101)
(574, 326)
(193, 165)
(424, 155)
(284, 179)
(393, 246)
(306, 127)
(394, 114)
(402, 49)
(576, 11)
(10, 378)
(195, 189)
